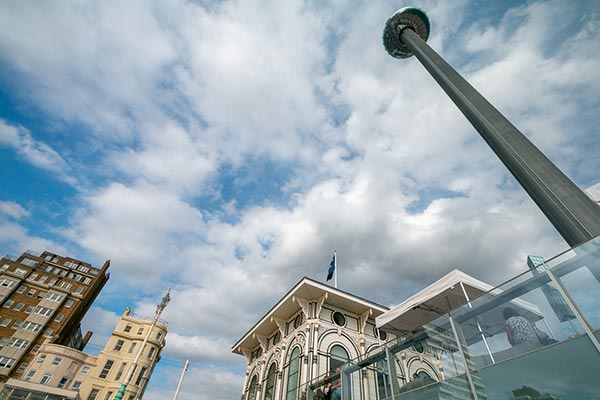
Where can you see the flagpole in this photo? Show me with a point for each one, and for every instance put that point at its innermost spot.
(335, 270)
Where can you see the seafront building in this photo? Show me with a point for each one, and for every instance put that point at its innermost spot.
(117, 358)
(63, 373)
(308, 335)
(43, 297)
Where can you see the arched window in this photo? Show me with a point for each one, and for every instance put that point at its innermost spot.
(338, 356)
(270, 387)
(293, 375)
(252, 389)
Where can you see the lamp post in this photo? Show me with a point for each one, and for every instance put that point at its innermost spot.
(574, 215)
(159, 309)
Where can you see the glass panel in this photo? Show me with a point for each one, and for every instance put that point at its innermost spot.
(580, 277)
(518, 317)
(567, 371)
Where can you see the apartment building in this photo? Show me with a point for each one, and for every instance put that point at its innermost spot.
(43, 298)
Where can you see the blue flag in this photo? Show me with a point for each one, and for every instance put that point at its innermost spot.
(331, 268)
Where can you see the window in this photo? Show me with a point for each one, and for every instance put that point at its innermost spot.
(21, 289)
(270, 386)
(140, 376)
(63, 382)
(158, 335)
(8, 304)
(56, 361)
(8, 283)
(3, 341)
(6, 362)
(106, 369)
(34, 275)
(29, 309)
(119, 345)
(41, 295)
(65, 285)
(151, 352)
(79, 289)
(76, 385)
(20, 271)
(140, 331)
(48, 332)
(22, 367)
(5, 321)
(338, 356)
(46, 312)
(16, 325)
(93, 394)
(108, 396)
(55, 297)
(127, 328)
(120, 372)
(46, 378)
(35, 348)
(338, 318)
(293, 374)
(87, 280)
(18, 343)
(31, 292)
(41, 358)
(85, 370)
(59, 317)
(83, 269)
(29, 375)
(19, 307)
(43, 279)
(252, 389)
(4, 267)
(298, 321)
(51, 281)
(379, 334)
(29, 262)
(132, 347)
(31, 326)
(69, 303)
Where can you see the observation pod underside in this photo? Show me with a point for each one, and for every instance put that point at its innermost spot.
(405, 18)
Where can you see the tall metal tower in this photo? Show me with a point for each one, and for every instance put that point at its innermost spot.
(573, 214)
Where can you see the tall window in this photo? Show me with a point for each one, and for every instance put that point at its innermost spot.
(338, 356)
(106, 369)
(252, 389)
(293, 375)
(140, 376)
(270, 387)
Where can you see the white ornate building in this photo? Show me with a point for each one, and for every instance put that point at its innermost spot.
(310, 332)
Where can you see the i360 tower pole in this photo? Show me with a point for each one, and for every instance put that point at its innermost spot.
(573, 214)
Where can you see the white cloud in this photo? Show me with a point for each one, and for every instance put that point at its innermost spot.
(33, 151)
(13, 210)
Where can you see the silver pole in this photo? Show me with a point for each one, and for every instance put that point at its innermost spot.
(185, 368)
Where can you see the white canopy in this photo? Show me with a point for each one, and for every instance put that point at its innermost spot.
(445, 295)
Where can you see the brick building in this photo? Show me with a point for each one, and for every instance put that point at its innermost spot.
(43, 297)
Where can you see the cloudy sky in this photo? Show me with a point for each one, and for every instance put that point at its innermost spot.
(225, 149)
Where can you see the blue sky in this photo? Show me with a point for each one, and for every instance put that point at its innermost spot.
(211, 145)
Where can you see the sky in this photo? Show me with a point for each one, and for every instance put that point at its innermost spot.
(225, 149)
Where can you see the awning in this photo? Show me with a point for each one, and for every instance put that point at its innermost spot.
(445, 295)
